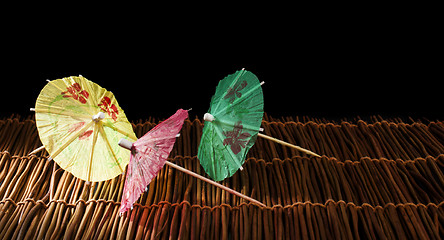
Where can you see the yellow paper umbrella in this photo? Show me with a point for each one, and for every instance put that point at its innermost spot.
(79, 124)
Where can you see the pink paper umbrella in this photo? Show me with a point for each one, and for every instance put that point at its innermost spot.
(148, 155)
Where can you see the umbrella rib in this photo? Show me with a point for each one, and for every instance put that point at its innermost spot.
(120, 131)
(105, 138)
(64, 81)
(237, 100)
(245, 126)
(241, 72)
(159, 138)
(76, 116)
(92, 152)
(244, 95)
(81, 131)
(55, 85)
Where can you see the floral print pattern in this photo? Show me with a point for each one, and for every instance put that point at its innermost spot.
(76, 127)
(109, 108)
(236, 138)
(75, 91)
(233, 93)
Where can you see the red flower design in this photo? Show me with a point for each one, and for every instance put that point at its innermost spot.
(85, 135)
(236, 139)
(232, 93)
(75, 91)
(76, 127)
(109, 108)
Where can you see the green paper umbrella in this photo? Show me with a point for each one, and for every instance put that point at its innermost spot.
(232, 124)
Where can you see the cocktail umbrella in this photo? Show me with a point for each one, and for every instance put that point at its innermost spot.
(148, 156)
(232, 125)
(78, 123)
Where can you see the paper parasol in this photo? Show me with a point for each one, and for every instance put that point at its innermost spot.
(233, 122)
(148, 155)
(78, 123)
(232, 125)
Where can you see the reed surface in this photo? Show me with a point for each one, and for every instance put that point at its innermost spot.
(376, 179)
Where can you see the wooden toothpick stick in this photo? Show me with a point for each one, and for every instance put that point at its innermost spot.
(288, 144)
(214, 183)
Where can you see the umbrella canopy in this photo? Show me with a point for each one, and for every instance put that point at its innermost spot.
(79, 123)
(232, 124)
(148, 156)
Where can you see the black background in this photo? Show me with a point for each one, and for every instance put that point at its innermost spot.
(330, 66)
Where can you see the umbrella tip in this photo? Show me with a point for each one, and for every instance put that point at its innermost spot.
(190, 109)
(99, 116)
(125, 143)
(208, 117)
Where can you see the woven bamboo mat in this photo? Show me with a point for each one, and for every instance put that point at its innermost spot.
(382, 179)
